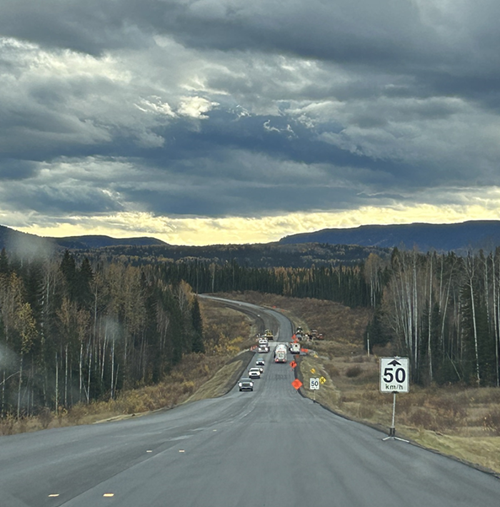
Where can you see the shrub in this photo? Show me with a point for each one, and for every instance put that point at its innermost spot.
(331, 370)
(422, 418)
(358, 359)
(353, 371)
(7, 425)
(491, 421)
(45, 417)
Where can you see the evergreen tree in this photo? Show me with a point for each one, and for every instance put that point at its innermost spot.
(197, 324)
(68, 269)
(4, 263)
(84, 279)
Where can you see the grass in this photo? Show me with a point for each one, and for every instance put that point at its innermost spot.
(224, 379)
(458, 421)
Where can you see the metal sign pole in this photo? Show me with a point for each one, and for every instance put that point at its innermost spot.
(394, 378)
(392, 429)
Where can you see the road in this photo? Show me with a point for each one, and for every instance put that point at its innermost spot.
(269, 447)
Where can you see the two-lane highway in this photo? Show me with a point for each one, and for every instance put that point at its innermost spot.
(269, 447)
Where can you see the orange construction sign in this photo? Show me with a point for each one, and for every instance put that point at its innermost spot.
(297, 384)
(293, 364)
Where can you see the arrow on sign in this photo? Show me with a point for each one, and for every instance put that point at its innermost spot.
(395, 363)
(297, 384)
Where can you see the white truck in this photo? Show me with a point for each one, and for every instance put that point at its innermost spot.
(280, 353)
(294, 348)
(263, 345)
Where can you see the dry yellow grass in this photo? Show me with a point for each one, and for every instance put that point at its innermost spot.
(458, 421)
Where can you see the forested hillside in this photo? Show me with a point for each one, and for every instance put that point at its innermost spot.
(269, 255)
(440, 237)
(140, 251)
(73, 333)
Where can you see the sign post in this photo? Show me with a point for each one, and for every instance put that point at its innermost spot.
(314, 386)
(394, 378)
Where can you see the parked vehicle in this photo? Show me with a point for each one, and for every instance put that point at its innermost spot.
(294, 348)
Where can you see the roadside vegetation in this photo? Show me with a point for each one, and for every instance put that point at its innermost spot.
(199, 375)
(456, 420)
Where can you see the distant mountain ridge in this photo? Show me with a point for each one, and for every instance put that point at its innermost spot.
(327, 246)
(151, 250)
(11, 239)
(441, 237)
(97, 241)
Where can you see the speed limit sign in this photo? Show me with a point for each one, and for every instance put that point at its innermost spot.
(394, 375)
(314, 384)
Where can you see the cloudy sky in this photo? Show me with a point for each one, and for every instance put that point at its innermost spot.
(236, 121)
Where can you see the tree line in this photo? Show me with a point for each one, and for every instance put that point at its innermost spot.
(440, 310)
(343, 284)
(74, 333)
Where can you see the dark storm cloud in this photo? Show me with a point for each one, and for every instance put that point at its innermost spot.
(241, 200)
(458, 42)
(13, 169)
(219, 107)
(55, 200)
(90, 27)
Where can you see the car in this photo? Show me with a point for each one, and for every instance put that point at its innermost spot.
(263, 350)
(245, 384)
(260, 362)
(254, 373)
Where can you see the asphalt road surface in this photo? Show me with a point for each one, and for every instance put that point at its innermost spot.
(269, 447)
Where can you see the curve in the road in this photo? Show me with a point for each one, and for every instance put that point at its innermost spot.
(269, 447)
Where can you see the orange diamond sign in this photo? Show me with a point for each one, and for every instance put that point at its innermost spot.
(297, 384)
(293, 364)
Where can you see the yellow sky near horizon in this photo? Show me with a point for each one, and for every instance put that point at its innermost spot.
(199, 231)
